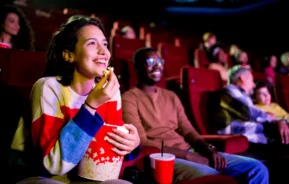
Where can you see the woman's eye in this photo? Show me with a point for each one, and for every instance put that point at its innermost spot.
(105, 44)
(91, 43)
(11, 20)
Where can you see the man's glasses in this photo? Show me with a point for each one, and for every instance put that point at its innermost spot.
(151, 62)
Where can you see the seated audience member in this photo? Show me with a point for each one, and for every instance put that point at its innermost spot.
(159, 116)
(263, 101)
(15, 30)
(234, 51)
(220, 63)
(74, 100)
(128, 32)
(210, 46)
(284, 69)
(242, 59)
(269, 69)
(238, 114)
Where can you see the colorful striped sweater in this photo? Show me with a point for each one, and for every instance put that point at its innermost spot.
(63, 128)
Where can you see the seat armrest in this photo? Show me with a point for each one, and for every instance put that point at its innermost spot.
(140, 160)
(232, 144)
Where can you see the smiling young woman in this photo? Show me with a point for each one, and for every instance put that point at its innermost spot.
(74, 99)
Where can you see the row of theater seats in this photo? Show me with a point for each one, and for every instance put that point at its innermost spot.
(45, 25)
(20, 70)
(175, 58)
(45, 22)
(154, 36)
(151, 33)
(122, 53)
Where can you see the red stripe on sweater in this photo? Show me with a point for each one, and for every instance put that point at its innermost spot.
(46, 129)
(45, 132)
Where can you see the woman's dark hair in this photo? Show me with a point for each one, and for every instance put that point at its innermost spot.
(66, 39)
(25, 38)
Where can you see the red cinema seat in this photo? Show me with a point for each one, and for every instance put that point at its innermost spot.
(198, 86)
(200, 59)
(25, 68)
(4, 63)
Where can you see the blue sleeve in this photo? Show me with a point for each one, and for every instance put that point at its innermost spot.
(134, 154)
(76, 136)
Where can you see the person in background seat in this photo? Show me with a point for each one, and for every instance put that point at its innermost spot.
(128, 32)
(159, 116)
(263, 100)
(15, 31)
(237, 114)
(210, 45)
(284, 69)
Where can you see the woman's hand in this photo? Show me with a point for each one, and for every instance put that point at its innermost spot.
(124, 142)
(99, 95)
(272, 116)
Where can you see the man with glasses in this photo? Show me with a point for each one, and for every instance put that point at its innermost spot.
(159, 116)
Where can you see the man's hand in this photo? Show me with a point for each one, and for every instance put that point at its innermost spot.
(193, 157)
(217, 161)
(283, 131)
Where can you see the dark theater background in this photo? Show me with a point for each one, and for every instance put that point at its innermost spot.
(257, 25)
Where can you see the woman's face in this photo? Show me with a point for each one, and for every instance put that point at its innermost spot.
(222, 56)
(11, 24)
(91, 55)
(243, 58)
(212, 40)
(273, 61)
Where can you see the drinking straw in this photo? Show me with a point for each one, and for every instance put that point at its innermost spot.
(162, 149)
